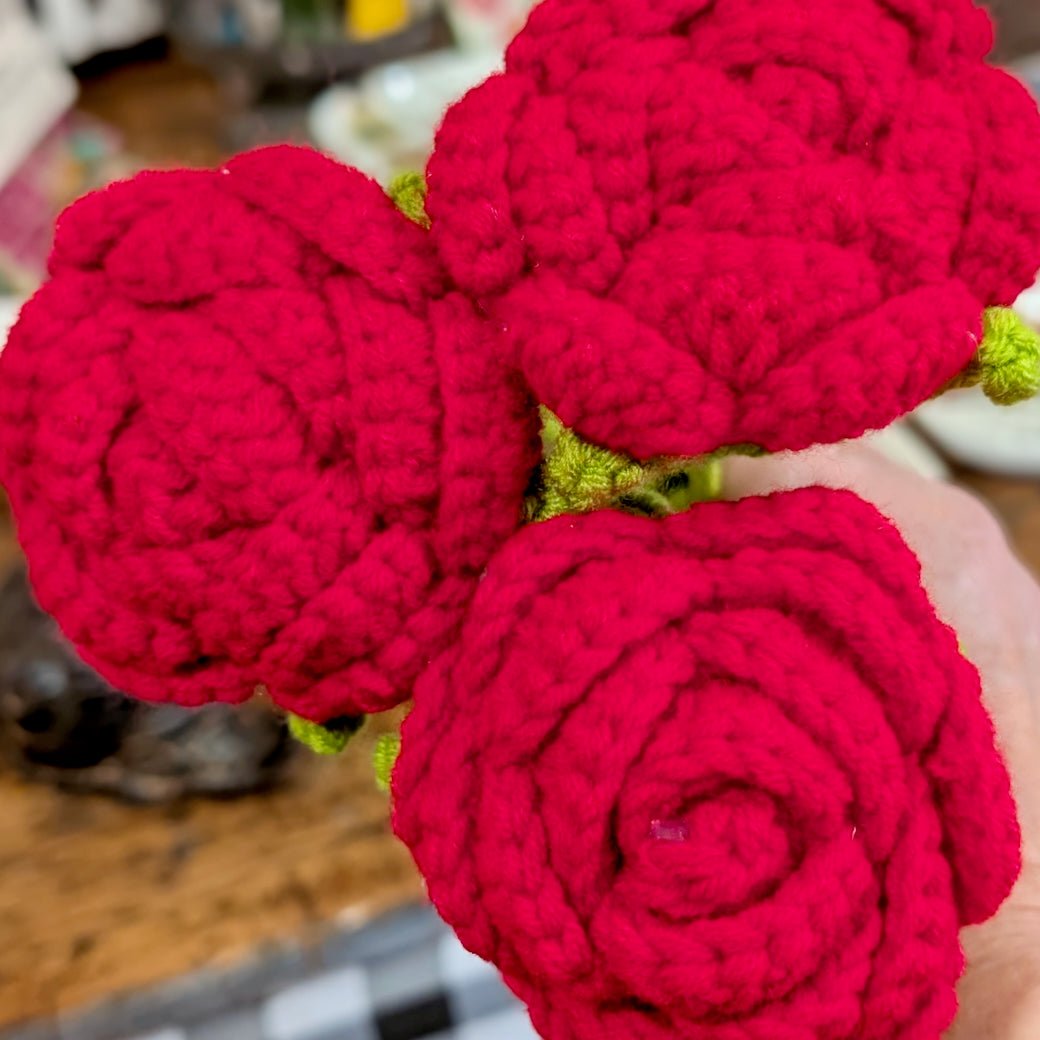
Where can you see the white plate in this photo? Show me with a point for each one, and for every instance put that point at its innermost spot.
(387, 123)
(983, 435)
(9, 308)
(976, 432)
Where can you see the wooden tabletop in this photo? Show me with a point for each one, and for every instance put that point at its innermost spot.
(1017, 503)
(98, 898)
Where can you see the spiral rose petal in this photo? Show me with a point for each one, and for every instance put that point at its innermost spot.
(724, 776)
(728, 222)
(252, 439)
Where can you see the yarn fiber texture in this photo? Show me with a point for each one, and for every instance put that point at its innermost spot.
(718, 776)
(723, 775)
(253, 438)
(1007, 365)
(578, 477)
(713, 222)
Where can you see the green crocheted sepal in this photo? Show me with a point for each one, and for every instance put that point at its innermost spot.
(1007, 364)
(408, 192)
(384, 758)
(579, 477)
(329, 738)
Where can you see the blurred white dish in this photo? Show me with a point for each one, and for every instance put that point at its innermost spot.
(414, 95)
(1028, 305)
(487, 23)
(386, 124)
(974, 431)
(9, 308)
(968, 427)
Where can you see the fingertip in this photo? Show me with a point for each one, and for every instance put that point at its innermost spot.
(825, 465)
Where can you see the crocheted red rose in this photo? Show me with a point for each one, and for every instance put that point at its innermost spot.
(251, 438)
(718, 222)
(720, 776)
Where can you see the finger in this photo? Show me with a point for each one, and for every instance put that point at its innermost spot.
(918, 506)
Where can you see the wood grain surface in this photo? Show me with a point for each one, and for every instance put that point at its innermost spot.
(99, 898)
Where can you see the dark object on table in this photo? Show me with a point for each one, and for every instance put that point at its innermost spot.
(62, 723)
(256, 44)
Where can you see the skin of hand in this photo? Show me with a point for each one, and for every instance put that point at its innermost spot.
(981, 590)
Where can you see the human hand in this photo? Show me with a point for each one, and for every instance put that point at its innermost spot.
(982, 591)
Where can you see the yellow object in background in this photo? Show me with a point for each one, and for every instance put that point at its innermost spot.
(367, 19)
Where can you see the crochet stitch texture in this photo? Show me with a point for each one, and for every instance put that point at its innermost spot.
(252, 437)
(719, 776)
(716, 222)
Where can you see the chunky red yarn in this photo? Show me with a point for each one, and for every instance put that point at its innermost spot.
(252, 438)
(716, 222)
(720, 776)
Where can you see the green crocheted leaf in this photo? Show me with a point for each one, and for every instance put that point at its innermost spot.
(408, 191)
(384, 758)
(579, 477)
(328, 739)
(1007, 363)
(1009, 358)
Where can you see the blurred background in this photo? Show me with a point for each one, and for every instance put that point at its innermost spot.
(192, 876)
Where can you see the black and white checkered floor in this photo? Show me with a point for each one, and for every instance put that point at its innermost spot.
(406, 979)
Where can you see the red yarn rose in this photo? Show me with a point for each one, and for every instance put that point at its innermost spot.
(251, 437)
(716, 222)
(719, 776)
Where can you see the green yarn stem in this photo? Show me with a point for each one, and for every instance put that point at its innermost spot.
(1007, 364)
(408, 192)
(384, 758)
(328, 739)
(579, 477)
